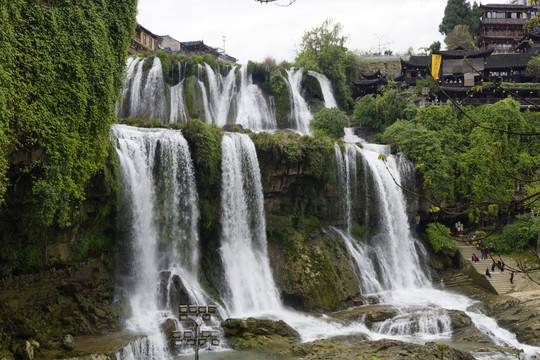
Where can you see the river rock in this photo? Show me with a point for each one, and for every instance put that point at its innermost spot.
(258, 333)
(370, 314)
(68, 342)
(382, 349)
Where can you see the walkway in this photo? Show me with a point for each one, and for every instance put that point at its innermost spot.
(499, 281)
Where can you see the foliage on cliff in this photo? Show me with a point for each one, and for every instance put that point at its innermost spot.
(62, 67)
(466, 163)
(323, 50)
(381, 111)
(330, 121)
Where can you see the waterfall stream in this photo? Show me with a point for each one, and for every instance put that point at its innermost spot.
(251, 288)
(159, 208)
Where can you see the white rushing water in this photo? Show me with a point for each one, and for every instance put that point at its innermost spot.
(178, 107)
(326, 89)
(389, 263)
(300, 113)
(254, 110)
(250, 285)
(162, 215)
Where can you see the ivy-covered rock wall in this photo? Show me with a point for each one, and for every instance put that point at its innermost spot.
(61, 75)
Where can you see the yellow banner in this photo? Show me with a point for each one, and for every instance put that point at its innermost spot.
(435, 65)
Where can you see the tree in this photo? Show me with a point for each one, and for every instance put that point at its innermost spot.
(460, 36)
(436, 46)
(533, 66)
(532, 24)
(323, 50)
(330, 121)
(459, 12)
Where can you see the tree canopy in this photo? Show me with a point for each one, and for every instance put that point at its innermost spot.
(460, 12)
(323, 50)
(460, 36)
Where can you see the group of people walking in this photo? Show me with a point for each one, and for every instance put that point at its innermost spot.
(500, 264)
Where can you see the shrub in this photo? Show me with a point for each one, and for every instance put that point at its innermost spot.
(330, 121)
(437, 236)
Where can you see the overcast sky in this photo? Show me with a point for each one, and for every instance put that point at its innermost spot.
(255, 31)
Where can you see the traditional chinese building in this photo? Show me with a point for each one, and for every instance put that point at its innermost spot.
(143, 41)
(462, 67)
(415, 68)
(501, 25)
(369, 83)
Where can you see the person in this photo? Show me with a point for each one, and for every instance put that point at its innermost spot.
(512, 277)
(502, 266)
(487, 273)
(493, 266)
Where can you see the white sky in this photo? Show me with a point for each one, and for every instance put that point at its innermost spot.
(255, 31)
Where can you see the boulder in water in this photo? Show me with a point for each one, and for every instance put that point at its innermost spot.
(258, 333)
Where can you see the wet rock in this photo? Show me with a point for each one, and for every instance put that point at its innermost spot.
(368, 314)
(258, 333)
(382, 349)
(68, 342)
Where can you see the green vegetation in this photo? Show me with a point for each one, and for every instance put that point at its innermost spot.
(460, 36)
(60, 77)
(379, 112)
(280, 90)
(323, 50)
(465, 164)
(517, 236)
(438, 236)
(330, 121)
(205, 144)
(460, 12)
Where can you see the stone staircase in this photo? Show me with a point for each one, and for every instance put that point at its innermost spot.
(499, 281)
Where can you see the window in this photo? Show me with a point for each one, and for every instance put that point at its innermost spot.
(144, 39)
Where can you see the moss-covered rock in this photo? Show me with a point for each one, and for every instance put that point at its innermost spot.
(193, 98)
(258, 333)
(314, 272)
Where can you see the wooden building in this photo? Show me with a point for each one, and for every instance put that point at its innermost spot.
(415, 68)
(200, 48)
(369, 83)
(143, 41)
(501, 26)
(462, 67)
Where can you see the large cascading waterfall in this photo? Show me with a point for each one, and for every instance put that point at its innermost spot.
(300, 113)
(390, 262)
(254, 111)
(326, 89)
(227, 99)
(250, 285)
(159, 206)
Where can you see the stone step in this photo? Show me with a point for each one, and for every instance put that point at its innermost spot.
(499, 281)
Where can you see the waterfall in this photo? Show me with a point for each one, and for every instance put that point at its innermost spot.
(326, 89)
(147, 99)
(389, 262)
(299, 107)
(206, 105)
(254, 111)
(250, 285)
(178, 108)
(159, 204)
(221, 94)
